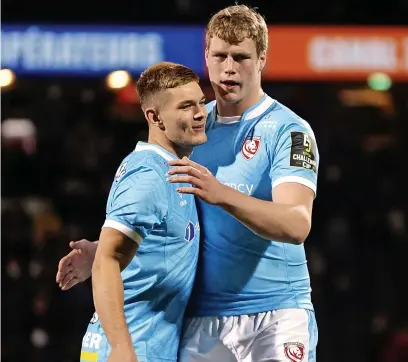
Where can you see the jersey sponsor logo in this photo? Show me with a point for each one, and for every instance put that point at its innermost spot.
(303, 151)
(294, 351)
(250, 147)
(189, 232)
(244, 188)
(121, 171)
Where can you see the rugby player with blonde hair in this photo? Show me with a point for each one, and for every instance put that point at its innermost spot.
(256, 179)
(147, 252)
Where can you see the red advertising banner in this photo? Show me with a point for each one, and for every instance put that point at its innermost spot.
(336, 52)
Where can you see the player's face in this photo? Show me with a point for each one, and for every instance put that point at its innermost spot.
(184, 115)
(234, 70)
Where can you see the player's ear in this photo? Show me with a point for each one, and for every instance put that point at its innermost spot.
(262, 61)
(153, 118)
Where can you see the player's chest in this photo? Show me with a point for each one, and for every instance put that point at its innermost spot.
(243, 165)
(183, 218)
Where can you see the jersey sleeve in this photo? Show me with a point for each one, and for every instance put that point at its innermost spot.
(295, 157)
(137, 204)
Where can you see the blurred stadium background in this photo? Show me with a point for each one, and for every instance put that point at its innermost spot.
(68, 119)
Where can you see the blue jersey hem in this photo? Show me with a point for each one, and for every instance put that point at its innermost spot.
(237, 311)
(142, 358)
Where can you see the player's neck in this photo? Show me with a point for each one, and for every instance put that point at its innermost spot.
(180, 152)
(228, 109)
(171, 147)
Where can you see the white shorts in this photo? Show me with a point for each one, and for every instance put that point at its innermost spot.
(285, 335)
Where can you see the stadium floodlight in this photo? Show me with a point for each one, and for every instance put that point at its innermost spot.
(7, 77)
(118, 79)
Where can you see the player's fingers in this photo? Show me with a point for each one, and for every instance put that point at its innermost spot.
(190, 190)
(64, 262)
(197, 166)
(61, 273)
(70, 283)
(180, 162)
(64, 271)
(189, 170)
(79, 245)
(187, 180)
(67, 277)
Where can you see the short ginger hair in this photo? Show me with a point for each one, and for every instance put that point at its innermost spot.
(235, 23)
(162, 76)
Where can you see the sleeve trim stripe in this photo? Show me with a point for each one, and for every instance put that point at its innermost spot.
(296, 179)
(123, 229)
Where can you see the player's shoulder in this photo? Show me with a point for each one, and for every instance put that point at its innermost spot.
(289, 120)
(280, 119)
(146, 161)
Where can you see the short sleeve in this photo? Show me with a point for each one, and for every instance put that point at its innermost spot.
(137, 204)
(295, 157)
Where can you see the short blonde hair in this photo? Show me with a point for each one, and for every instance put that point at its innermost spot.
(235, 23)
(162, 76)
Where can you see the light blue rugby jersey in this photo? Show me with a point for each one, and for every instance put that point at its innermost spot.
(158, 281)
(239, 272)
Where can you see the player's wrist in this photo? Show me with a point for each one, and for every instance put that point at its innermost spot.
(122, 342)
(225, 196)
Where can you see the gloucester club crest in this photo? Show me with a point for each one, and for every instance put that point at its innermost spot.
(250, 147)
(294, 351)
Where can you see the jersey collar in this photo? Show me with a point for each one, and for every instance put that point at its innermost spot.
(144, 146)
(255, 111)
(258, 109)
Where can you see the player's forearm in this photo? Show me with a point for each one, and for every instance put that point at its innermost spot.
(108, 295)
(271, 221)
